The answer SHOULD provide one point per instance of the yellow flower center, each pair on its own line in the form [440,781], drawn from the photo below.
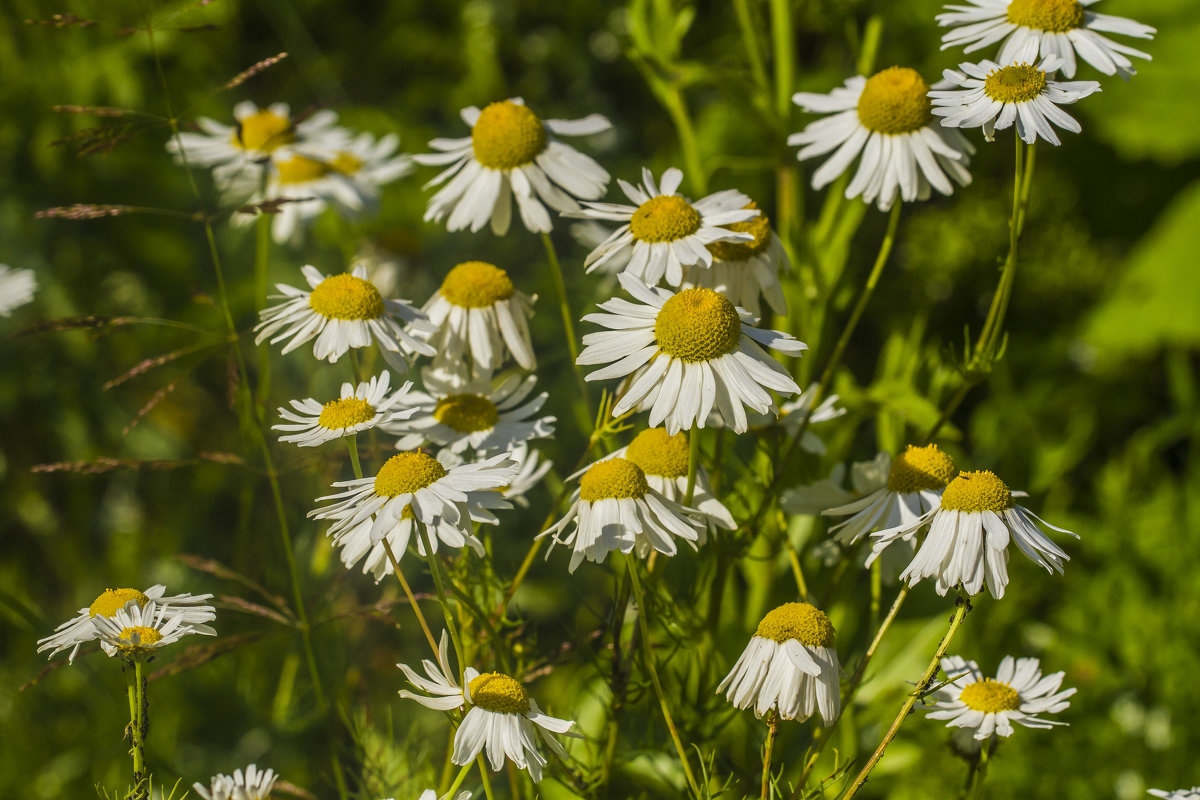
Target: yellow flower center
[113,600]
[664,219]
[264,131]
[658,453]
[614,479]
[346,297]
[477,284]
[507,135]
[920,469]
[895,100]
[759,226]
[977,491]
[345,413]
[697,325]
[493,691]
[1018,83]
[144,636]
[346,163]
[1058,16]
[466,413]
[299,169]
[990,696]
[407,472]
[800,621]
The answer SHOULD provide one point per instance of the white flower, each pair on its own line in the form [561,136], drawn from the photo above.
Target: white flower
[887,118]
[665,232]
[1032,28]
[254,784]
[615,508]
[16,288]
[341,311]
[430,794]
[793,412]
[356,410]
[742,271]
[512,153]
[500,719]
[703,355]
[533,468]
[1018,694]
[790,666]
[414,488]
[81,628]
[994,97]
[969,534]
[478,311]
[136,629]
[480,415]
[1177,794]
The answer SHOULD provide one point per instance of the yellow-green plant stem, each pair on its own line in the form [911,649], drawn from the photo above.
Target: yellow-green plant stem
[693,464]
[262,254]
[137,717]
[485,777]
[974,786]
[408,594]
[750,41]
[772,731]
[352,446]
[458,779]
[962,606]
[784,56]
[564,306]
[648,656]
[443,600]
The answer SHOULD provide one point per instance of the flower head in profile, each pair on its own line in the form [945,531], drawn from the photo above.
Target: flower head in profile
[135,631]
[478,311]
[1177,794]
[16,288]
[664,232]
[746,271]
[989,706]
[341,312]
[995,97]
[790,666]
[512,153]
[253,784]
[886,118]
[310,423]
[688,354]
[1029,29]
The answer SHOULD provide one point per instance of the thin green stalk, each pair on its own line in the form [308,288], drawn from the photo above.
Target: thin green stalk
[784,56]
[677,109]
[980,770]
[618,680]
[408,593]
[443,600]
[458,779]
[564,306]
[693,464]
[772,731]
[750,41]
[137,746]
[996,312]
[352,446]
[487,779]
[262,254]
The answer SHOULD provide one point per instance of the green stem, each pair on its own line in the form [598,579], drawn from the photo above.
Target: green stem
[458,779]
[352,446]
[785,58]
[618,681]
[408,593]
[262,253]
[443,600]
[995,318]
[136,750]
[564,306]
[487,779]
[676,106]
[693,464]
[750,41]
[772,730]
[981,768]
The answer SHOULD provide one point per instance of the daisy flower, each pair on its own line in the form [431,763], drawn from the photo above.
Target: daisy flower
[413,488]
[1029,28]
[511,152]
[16,288]
[1018,694]
[743,271]
[702,353]
[501,717]
[995,97]
[969,533]
[253,784]
[134,631]
[477,310]
[790,666]
[356,410]
[475,415]
[810,499]
[341,311]
[664,232]
[887,118]
[530,472]
[793,412]
[1178,794]
[615,508]
[430,794]
[81,628]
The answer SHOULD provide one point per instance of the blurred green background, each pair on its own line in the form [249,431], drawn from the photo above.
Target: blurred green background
[1093,410]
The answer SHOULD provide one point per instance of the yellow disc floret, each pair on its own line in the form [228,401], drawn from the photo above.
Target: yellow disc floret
[759,227]
[920,469]
[264,131]
[800,621]
[895,100]
[497,692]
[1058,16]
[113,600]
[477,284]
[614,479]
[990,696]
[300,169]
[139,636]
[407,472]
[977,491]
[697,325]
[345,413]
[658,453]
[346,297]
[1018,83]
[346,163]
[466,413]
[664,219]
[507,135]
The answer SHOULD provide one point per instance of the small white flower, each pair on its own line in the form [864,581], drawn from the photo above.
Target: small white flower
[744,271]
[478,311]
[994,97]
[532,470]
[430,794]
[341,311]
[1177,794]
[793,412]
[790,666]
[1018,694]
[253,784]
[512,153]
[357,409]
[16,288]
[1032,28]
[135,630]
